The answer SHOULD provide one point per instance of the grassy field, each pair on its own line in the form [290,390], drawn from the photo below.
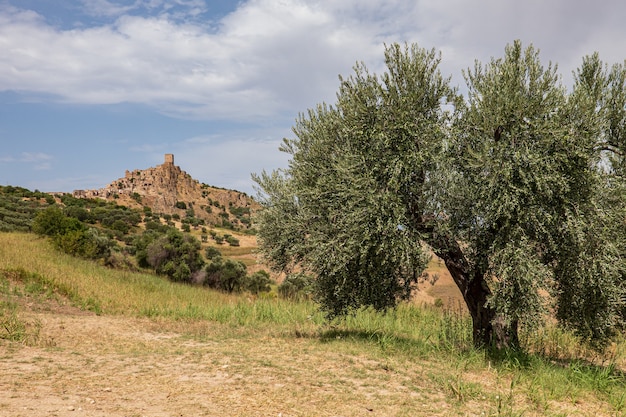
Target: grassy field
[76,338]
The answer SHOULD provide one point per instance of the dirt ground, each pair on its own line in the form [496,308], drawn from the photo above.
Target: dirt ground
[88,365]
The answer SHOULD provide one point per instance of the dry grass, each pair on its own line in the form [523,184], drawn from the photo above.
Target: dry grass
[161,349]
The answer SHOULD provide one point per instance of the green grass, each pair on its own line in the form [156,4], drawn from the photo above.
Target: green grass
[414,343]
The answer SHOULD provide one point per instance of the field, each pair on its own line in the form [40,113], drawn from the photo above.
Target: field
[77,339]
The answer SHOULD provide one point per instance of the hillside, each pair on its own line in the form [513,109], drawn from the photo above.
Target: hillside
[167,189]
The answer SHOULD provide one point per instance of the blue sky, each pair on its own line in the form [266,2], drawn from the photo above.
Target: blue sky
[90,88]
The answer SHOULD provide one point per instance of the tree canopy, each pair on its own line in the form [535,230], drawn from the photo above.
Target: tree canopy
[517,187]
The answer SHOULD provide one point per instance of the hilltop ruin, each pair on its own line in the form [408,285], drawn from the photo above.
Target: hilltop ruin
[167,189]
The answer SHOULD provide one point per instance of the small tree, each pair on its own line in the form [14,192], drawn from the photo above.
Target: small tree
[258,282]
[52,221]
[298,286]
[212,253]
[174,254]
[226,275]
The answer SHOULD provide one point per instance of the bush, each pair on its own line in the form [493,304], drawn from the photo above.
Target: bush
[86,243]
[52,222]
[226,275]
[212,253]
[120,226]
[259,282]
[79,213]
[174,254]
[296,287]
[232,241]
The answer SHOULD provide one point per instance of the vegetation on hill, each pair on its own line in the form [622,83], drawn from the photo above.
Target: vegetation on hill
[125,238]
[18,207]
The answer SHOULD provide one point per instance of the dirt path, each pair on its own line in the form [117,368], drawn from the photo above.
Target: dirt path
[88,365]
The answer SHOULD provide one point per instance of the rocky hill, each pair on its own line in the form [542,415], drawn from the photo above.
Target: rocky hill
[167,189]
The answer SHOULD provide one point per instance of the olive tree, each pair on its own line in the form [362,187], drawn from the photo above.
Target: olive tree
[505,187]
[523,193]
[345,209]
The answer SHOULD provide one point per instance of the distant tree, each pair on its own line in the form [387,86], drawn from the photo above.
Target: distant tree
[173,254]
[258,282]
[79,213]
[231,240]
[176,255]
[212,252]
[226,275]
[52,221]
[298,286]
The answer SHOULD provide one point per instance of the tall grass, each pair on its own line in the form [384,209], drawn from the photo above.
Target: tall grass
[91,286]
[103,290]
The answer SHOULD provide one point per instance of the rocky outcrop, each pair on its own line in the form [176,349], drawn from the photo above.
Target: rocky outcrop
[167,189]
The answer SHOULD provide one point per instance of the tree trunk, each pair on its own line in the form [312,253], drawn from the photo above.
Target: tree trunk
[488,329]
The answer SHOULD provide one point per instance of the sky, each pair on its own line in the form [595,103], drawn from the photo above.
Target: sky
[92,88]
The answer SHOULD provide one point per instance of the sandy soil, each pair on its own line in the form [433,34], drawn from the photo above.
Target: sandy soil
[88,365]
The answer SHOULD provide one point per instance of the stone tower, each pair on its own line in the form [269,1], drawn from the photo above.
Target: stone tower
[169,158]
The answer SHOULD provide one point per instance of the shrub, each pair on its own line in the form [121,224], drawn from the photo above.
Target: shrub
[174,254]
[212,253]
[258,282]
[226,275]
[52,222]
[231,240]
[86,243]
[120,226]
[79,213]
[296,287]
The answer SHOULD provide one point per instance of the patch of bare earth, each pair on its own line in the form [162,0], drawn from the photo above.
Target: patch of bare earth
[88,365]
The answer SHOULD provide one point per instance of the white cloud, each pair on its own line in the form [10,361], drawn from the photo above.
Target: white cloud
[35,157]
[259,65]
[266,57]
[36,160]
[106,8]
[273,56]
